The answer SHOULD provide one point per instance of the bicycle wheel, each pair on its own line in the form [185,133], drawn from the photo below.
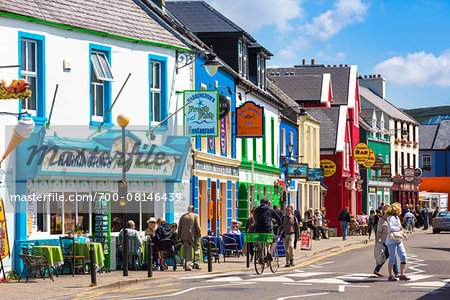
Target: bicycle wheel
[275,262]
[259,258]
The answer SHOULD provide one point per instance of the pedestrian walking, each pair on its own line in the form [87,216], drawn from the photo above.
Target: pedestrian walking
[289,231]
[250,228]
[418,215]
[435,213]
[370,222]
[344,218]
[409,221]
[309,218]
[381,236]
[425,217]
[394,241]
[318,222]
[189,232]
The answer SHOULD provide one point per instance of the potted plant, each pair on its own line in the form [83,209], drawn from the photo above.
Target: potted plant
[78,230]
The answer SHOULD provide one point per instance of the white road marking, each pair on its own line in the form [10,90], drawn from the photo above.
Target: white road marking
[272,279]
[356,276]
[302,296]
[341,289]
[325,263]
[186,291]
[416,277]
[307,274]
[296,283]
[325,280]
[437,284]
[447,280]
[228,278]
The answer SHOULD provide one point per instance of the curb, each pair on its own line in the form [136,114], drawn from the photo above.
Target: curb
[126,283]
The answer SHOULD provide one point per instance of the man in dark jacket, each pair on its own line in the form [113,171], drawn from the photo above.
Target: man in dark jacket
[263,217]
[425,217]
[344,218]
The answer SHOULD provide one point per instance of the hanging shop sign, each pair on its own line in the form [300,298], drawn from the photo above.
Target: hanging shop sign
[224,107]
[299,171]
[361,153]
[371,160]
[4,245]
[409,174]
[418,172]
[378,164]
[328,166]
[250,120]
[18,89]
[386,171]
[201,114]
[315,174]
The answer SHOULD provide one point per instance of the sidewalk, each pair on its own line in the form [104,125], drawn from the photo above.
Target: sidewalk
[67,285]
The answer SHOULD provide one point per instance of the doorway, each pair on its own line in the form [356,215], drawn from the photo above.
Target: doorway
[214,206]
[223,208]
[203,206]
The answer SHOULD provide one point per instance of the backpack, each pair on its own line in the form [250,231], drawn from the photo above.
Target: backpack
[341,216]
[164,233]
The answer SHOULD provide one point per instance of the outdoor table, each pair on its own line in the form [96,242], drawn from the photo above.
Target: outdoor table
[82,249]
[217,240]
[239,238]
[54,254]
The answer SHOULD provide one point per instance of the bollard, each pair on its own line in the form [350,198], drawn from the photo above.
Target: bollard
[92,266]
[125,252]
[209,256]
[248,254]
[150,257]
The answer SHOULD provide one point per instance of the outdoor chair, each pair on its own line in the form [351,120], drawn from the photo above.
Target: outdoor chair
[35,264]
[102,240]
[230,246]
[32,252]
[75,262]
[215,250]
[171,253]
[134,257]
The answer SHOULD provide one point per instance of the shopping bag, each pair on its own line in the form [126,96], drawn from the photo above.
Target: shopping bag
[378,253]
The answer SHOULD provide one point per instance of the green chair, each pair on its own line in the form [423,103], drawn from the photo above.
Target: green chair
[134,259]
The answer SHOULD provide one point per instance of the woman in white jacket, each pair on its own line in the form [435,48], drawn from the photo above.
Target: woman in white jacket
[396,245]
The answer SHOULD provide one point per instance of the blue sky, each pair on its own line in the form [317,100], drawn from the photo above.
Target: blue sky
[408,42]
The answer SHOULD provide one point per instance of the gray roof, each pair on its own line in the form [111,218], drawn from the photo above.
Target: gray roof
[384,105]
[364,124]
[427,134]
[329,116]
[300,88]
[340,78]
[201,17]
[367,115]
[280,95]
[123,18]
[435,136]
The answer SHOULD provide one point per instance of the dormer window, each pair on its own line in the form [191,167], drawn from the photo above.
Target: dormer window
[240,57]
[243,59]
[260,71]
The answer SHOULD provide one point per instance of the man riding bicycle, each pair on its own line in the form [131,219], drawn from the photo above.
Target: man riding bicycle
[264,215]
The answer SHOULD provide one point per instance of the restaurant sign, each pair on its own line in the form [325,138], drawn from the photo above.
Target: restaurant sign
[315,174]
[328,166]
[299,171]
[361,153]
[371,160]
[250,120]
[386,171]
[201,113]
[409,174]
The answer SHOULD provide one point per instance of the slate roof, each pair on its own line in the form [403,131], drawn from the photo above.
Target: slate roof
[300,88]
[281,95]
[427,134]
[118,17]
[329,116]
[340,78]
[384,105]
[367,115]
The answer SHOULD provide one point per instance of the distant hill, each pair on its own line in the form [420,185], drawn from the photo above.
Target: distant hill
[423,114]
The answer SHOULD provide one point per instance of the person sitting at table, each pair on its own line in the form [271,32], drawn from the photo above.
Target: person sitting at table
[151,227]
[116,224]
[234,229]
[175,243]
[362,221]
[131,231]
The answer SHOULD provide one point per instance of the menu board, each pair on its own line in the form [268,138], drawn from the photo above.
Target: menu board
[100,221]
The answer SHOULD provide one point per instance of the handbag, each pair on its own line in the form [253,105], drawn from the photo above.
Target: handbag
[396,235]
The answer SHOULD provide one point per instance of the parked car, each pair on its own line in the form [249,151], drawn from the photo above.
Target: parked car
[441,222]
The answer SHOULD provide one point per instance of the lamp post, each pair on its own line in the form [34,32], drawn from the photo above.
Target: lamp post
[123,121]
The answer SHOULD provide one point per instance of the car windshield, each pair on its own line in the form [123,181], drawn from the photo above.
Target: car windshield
[444,214]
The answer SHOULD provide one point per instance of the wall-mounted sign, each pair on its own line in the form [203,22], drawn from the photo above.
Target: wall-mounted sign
[386,171]
[361,153]
[223,136]
[378,164]
[371,160]
[418,172]
[215,168]
[315,174]
[409,174]
[224,107]
[299,171]
[250,120]
[328,166]
[201,115]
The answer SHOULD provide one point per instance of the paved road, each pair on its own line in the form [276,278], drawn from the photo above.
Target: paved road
[343,274]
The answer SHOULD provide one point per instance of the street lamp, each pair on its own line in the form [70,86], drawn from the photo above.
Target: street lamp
[123,121]
[185,58]
[405,134]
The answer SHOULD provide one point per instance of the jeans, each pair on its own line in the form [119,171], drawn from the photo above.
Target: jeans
[344,227]
[386,253]
[425,223]
[397,248]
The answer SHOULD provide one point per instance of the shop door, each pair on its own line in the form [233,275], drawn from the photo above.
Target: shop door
[214,205]
[223,208]
[203,206]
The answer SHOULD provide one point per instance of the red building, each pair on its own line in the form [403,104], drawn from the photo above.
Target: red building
[335,103]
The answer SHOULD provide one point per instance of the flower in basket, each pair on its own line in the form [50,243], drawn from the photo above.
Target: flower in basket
[415,144]
[396,140]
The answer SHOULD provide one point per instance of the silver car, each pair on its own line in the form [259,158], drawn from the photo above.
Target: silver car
[441,222]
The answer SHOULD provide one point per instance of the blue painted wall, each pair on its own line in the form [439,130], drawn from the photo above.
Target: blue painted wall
[288,128]
[440,163]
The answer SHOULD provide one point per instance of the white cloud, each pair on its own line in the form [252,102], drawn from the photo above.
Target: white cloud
[420,68]
[252,15]
[332,21]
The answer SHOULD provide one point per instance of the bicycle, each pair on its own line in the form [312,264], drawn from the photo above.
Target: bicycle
[263,243]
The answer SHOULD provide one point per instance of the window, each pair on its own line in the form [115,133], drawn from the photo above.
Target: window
[240,57]
[32,69]
[101,77]
[283,141]
[408,160]
[258,70]
[244,61]
[158,88]
[396,163]
[426,162]
[155,90]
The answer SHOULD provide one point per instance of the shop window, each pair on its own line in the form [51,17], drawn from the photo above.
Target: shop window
[69,213]
[32,69]
[56,217]
[42,213]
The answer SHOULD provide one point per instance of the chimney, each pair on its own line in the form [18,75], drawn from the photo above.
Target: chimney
[303,61]
[313,61]
[375,83]
[346,66]
[335,66]
[341,66]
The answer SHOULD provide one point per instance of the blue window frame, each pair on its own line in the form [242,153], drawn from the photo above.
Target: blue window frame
[157,88]
[32,68]
[100,77]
